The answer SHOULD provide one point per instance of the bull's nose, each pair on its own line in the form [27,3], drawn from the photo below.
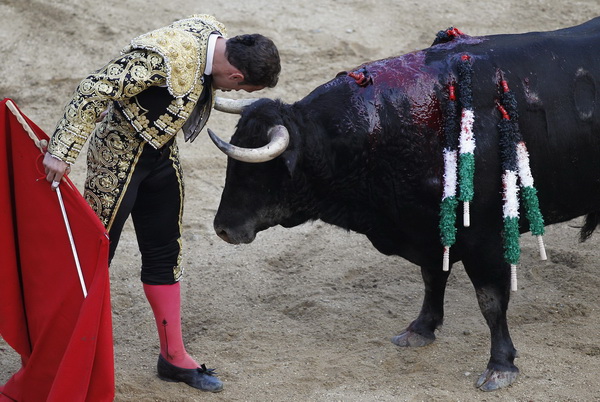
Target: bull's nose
[222,233]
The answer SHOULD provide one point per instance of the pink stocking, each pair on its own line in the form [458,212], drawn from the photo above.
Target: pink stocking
[165,301]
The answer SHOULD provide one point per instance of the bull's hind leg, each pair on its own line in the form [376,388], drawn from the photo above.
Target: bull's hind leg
[491,279]
[421,331]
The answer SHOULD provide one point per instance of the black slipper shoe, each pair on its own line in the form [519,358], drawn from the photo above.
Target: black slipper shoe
[202,378]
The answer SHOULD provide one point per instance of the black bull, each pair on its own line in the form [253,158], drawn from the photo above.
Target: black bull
[367,155]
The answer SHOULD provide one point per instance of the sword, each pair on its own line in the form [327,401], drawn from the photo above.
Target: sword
[36,140]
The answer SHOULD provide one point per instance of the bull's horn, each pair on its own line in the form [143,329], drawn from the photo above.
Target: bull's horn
[234,106]
[279,139]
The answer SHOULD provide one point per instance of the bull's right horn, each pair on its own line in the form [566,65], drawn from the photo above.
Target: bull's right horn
[279,138]
[234,106]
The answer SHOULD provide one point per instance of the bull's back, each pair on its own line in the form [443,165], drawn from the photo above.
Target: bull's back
[555,77]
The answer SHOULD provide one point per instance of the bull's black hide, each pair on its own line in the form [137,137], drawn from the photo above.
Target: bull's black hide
[365,154]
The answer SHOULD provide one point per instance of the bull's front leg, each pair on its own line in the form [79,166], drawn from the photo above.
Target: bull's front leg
[491,279]
[421,332]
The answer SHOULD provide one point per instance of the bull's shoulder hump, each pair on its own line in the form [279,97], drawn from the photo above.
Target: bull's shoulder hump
[579,35]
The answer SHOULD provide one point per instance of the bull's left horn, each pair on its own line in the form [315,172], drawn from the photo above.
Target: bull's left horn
[234,106]
[279,138]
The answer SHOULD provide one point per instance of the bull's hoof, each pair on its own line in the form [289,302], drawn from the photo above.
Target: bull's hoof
[411,339]
[492,380]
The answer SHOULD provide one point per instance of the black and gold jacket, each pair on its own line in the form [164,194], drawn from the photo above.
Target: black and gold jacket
[157,83]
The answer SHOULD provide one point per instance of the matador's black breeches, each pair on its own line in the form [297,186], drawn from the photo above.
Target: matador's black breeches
[126,176]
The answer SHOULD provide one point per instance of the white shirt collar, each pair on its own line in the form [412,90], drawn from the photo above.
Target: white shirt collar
[210,52]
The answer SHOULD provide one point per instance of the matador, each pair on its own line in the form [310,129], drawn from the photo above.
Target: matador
[130,111]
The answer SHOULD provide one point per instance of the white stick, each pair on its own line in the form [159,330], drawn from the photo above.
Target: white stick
[542,248]
[446,264]
[75,256]
[466,214]
[513,277]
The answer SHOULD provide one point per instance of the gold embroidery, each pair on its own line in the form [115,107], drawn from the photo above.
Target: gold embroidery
[178,270]
[176,57]
[159,132]
[118,80]
[112,153]
[177,273]
[183,46]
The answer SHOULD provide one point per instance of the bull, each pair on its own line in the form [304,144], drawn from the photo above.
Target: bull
[364,152]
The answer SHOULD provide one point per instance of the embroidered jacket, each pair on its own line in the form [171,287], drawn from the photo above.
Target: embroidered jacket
[157,83]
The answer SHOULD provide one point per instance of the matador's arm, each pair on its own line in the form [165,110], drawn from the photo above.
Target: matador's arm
[123,77]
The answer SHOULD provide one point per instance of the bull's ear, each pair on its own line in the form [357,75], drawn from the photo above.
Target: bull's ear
[290,156]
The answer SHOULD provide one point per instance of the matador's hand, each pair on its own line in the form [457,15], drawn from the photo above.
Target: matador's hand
[55,169]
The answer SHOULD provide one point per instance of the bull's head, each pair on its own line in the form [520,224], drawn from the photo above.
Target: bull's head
[259,179]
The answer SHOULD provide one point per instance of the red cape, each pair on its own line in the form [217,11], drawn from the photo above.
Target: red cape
[64,339]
